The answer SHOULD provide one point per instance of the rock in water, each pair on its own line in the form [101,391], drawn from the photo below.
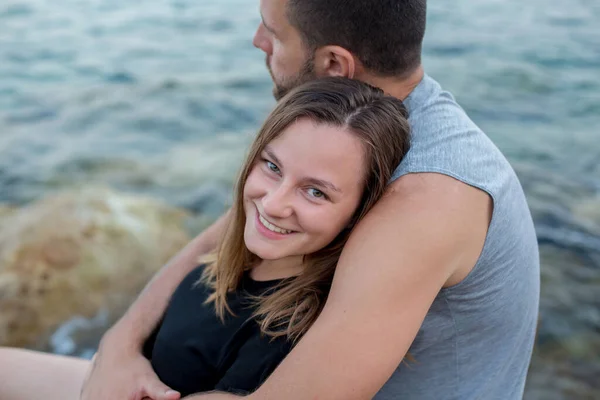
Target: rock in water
[77,253]
[5,211]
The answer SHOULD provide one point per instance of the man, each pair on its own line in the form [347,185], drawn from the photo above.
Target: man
[446,265]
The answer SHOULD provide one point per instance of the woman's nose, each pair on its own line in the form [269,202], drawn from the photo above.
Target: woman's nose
[277,203]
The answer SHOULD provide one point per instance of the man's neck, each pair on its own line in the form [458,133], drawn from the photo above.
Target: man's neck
[399,87]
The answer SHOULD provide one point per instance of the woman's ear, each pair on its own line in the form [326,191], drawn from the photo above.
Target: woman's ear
[334,61]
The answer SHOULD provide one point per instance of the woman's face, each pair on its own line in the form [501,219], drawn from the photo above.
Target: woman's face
[302,190]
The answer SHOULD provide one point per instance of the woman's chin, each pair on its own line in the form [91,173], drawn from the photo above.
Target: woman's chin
[263,252]
[269,255]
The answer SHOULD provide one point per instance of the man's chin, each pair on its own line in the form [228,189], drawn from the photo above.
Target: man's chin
[279,92]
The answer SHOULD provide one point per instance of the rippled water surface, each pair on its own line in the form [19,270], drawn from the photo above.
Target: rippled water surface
[161,96]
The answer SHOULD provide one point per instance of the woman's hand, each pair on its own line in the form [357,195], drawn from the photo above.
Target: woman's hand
[120,374]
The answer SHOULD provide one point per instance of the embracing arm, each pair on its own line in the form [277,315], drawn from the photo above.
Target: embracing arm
[119,369]
[143,315]
[426,233]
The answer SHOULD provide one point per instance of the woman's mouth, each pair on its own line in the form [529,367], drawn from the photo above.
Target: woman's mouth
[271,227]
[270,230]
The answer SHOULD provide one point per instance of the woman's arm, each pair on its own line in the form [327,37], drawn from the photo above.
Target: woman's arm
[120,370]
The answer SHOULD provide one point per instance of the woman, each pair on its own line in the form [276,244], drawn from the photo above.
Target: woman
[321,160]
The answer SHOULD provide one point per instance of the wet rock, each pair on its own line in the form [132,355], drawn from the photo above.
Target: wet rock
[4,212]
[77,253]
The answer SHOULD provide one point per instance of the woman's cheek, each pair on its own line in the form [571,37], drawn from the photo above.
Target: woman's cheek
[253,185]
[315,217]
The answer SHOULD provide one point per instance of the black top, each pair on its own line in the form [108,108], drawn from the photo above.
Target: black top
[192,351]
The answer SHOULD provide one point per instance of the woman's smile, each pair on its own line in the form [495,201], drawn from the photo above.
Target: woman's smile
[304,186]
[269,230]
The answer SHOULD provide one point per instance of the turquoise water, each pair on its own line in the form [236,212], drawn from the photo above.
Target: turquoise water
[161,97]
[134,94]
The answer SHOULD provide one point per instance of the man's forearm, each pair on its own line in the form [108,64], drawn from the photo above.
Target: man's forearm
[143,315]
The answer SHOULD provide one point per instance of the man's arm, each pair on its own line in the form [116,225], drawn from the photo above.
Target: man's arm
[119,369]
[426,233]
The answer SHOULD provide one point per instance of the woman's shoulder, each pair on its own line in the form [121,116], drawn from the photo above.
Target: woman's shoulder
[192,284]
[195,274]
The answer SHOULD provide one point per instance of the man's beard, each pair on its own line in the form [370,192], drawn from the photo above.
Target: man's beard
[307,73]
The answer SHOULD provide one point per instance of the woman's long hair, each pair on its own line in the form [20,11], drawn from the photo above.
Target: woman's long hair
[380,123]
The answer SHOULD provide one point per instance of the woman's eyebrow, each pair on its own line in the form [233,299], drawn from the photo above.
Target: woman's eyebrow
[322,183]
[272,155]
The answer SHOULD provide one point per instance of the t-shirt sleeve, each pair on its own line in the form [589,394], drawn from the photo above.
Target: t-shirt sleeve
[255,360]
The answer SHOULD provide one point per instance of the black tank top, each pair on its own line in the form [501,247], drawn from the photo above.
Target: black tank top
[192,351]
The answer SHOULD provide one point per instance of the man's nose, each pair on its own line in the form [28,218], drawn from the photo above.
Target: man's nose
[261,41]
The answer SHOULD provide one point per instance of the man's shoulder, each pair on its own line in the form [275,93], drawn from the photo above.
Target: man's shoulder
[446,141]
[435,110]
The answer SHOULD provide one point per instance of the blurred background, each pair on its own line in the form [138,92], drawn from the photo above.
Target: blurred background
[123,123]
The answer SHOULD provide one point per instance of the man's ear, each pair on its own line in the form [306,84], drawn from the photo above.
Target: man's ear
[334,61]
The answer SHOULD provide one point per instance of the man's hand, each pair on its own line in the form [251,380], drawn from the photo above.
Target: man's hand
[123,375]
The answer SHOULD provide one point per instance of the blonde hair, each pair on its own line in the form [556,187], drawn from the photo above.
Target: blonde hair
[380,123]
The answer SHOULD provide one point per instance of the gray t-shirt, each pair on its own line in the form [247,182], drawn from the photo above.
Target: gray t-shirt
[477,338]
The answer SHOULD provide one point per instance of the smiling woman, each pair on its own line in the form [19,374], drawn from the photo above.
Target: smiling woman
[321,160]
[301,193]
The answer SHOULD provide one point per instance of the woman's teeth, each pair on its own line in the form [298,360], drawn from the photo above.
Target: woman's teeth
[272,227]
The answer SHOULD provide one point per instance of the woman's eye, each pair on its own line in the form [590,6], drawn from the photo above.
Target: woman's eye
[316,193]
[273,167]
